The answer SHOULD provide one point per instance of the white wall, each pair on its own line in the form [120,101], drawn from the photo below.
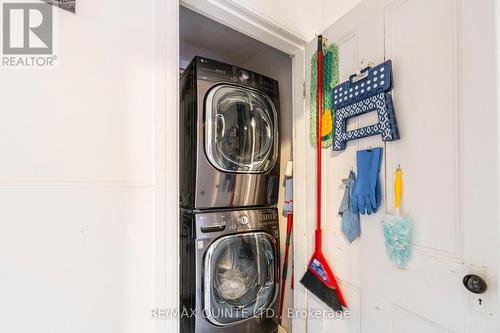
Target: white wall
[303,18]
[77,250]
[497,14]
[332,10]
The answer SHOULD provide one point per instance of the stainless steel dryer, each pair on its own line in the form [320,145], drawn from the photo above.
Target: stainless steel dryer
[229,142]
[230,271]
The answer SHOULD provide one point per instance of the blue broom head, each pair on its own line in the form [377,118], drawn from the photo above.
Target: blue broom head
[398,238]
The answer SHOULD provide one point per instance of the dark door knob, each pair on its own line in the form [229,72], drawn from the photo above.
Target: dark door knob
[475,284]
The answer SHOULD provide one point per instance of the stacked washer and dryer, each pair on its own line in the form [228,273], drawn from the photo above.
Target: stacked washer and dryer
[229,181]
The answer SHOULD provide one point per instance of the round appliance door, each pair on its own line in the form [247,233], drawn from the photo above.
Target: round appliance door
[241,131]
[240,277]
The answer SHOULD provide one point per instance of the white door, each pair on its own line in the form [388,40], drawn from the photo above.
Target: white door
[443,55]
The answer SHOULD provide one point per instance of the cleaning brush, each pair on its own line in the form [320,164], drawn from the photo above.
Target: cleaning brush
[319,278]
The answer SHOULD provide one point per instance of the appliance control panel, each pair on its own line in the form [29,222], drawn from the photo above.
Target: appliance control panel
[226,222]
[212,70]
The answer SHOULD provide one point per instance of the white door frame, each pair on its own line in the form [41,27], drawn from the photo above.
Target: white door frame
[166,160]
[167,131]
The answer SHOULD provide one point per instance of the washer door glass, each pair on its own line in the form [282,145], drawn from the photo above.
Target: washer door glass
[240,279]
[242,130]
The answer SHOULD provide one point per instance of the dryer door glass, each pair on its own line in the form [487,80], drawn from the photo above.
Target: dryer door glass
[240,280]
[241,130]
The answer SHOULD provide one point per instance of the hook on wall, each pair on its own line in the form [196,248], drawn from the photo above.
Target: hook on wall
[369,64]
[324,39]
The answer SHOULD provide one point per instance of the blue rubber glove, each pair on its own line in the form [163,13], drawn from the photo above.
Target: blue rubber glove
[366,196]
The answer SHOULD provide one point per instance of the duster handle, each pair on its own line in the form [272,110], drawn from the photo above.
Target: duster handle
[398,187]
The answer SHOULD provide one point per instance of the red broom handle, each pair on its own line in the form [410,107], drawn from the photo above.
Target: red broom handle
[318,143]
[285,261]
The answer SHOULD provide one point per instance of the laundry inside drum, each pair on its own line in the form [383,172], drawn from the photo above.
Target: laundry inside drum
[241,280]
[236,273]
[232,285]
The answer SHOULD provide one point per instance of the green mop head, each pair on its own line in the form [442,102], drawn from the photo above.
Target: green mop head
[330,79]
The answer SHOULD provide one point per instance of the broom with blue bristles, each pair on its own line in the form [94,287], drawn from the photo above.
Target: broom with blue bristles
[319,278]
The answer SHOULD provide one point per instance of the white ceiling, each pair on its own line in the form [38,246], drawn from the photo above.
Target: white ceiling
[304,18]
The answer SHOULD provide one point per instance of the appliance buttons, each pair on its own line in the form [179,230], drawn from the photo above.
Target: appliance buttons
[244,76]
[243,219]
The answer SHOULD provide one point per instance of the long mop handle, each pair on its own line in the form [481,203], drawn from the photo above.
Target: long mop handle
[318,143]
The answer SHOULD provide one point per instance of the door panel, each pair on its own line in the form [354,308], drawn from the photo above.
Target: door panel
[426,97]
[407,322]
[347,48]
[446,113]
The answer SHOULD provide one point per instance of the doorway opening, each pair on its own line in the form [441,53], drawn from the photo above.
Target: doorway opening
[209,40]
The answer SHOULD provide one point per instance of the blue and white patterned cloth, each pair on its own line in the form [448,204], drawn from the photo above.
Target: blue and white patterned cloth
[351,227]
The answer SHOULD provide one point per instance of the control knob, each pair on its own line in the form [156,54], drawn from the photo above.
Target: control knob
[244,76]
[243,219]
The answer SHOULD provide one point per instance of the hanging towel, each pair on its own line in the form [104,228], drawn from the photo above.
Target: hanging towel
[350,221]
